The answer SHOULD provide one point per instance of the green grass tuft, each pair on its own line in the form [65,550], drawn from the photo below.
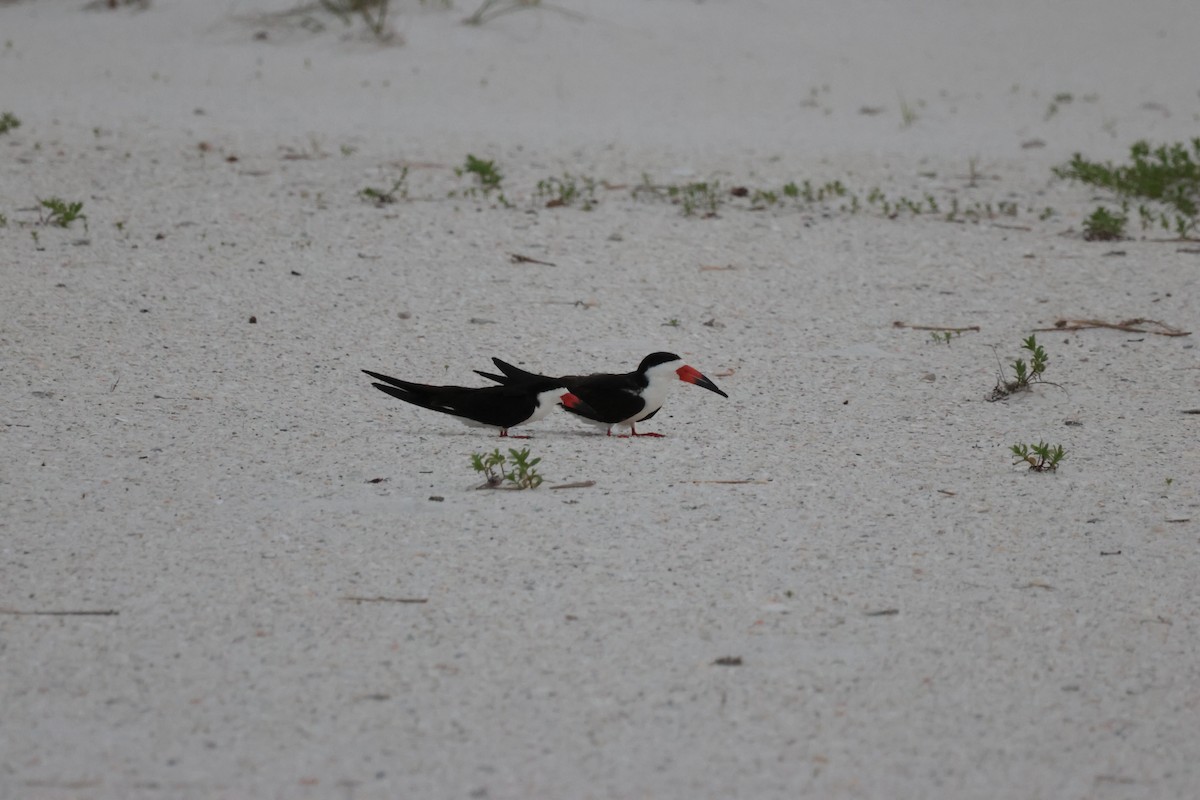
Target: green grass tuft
[1168,175]
[521,474]
[55,211]
[1040,457]
[1104,226]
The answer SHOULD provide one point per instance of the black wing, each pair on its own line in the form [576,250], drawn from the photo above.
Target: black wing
[499,406]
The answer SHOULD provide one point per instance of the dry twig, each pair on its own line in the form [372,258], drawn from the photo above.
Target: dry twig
[1128,325]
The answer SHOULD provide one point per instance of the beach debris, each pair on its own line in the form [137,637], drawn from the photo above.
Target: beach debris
[1135,325]
[951,328]
[517,258]
[380,599]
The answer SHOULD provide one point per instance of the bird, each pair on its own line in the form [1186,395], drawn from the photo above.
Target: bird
[617,399]
[515,403]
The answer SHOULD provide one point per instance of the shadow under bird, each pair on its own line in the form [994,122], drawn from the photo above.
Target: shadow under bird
[617,398]
[503,407]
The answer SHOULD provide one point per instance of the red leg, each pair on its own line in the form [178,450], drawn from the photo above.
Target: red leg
[633,431]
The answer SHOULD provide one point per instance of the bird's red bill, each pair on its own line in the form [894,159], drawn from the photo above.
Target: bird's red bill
[694,376]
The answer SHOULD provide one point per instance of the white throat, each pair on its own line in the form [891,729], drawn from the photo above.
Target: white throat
[660,378]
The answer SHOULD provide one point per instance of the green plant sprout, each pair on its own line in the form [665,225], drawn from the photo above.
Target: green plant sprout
[522,474]
[707,198]
[1040,457]
[762,198]
[489,464]
[568,190]
[701,195]
[487,178]
[9,122]
[1168,175]
[55,211]
[943,337]
[1025,375]
[690,197]
[383,197]
[1104,226]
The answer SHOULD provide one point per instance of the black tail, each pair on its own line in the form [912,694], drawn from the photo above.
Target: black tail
[512,373]
[419,394]
[408,385]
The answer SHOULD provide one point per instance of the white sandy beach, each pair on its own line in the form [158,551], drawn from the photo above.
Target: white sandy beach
[833,584]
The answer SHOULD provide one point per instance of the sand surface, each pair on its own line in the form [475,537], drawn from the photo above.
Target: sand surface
[833,584]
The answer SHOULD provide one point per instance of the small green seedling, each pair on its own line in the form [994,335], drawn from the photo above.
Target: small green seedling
[761,198]
[943,337]
[489,464]
[9,122]
[1025,375]
[383,197]
[55,211]
[1037,365]
[487,178]
[568,190]
[673,322]
[1104,226]
[700,196]
[522,474]
[485,172]
[1040,457]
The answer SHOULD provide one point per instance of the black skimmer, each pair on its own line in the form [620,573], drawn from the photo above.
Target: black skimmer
[503,407]
[618,399]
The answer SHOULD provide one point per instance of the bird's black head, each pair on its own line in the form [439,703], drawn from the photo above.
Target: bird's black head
[654,359]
